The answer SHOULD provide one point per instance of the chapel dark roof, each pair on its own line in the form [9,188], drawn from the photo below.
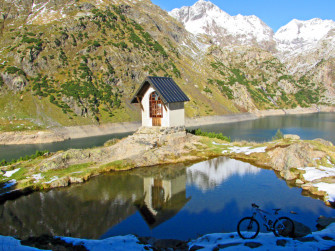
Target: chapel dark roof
[166,88]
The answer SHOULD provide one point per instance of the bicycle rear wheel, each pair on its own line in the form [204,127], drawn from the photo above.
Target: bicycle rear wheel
[284,226]
[248,228]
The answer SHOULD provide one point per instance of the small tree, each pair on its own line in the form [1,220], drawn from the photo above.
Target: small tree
[278,135]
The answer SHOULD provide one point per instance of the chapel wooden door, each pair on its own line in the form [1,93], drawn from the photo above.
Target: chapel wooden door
[156,109]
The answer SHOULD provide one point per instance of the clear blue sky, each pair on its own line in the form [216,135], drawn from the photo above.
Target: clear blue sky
[274,13]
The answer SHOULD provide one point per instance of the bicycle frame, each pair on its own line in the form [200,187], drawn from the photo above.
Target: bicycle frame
[248,227]
[266,217]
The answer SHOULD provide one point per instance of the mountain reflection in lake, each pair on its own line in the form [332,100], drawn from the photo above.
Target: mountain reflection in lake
[165,202]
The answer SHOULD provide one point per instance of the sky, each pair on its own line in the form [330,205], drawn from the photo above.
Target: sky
[274,13]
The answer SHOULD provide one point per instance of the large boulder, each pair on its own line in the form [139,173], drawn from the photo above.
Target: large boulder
[324,222]
[301,230]
[299,154]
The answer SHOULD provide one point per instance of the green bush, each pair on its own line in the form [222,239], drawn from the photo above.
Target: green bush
[209,134]
[278,135]
[27,157]
[14,70]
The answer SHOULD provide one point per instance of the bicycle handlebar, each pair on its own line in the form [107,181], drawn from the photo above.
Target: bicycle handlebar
[254,205]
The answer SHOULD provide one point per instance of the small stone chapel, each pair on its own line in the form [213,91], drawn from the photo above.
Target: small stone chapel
[162,102]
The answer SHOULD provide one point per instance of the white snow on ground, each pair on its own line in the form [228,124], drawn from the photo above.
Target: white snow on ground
[9,184]
[314,173]
[118,243]
[10,243]
[232,241]
[223,144]
[247,150]
[52,180]
[10,173]
[328,188]
[37,177]
[321,240]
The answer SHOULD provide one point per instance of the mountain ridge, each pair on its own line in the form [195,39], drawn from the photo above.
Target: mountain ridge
[82,64]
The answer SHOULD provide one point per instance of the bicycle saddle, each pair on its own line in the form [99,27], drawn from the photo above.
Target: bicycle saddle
[276,210]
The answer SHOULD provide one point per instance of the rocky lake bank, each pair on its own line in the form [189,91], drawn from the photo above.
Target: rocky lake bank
[309,164]
[57,134]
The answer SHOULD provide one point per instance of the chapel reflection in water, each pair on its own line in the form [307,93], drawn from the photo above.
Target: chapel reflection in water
[163,198]
[89,210]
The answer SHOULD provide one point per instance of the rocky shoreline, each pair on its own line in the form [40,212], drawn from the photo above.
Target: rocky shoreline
[319,240]
[309,164]
[292,159]
[58,134]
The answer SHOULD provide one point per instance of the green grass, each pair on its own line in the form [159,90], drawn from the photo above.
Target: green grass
[78,170]
[117,165]
[198,132]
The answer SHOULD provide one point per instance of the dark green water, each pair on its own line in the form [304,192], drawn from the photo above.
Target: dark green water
[177,201]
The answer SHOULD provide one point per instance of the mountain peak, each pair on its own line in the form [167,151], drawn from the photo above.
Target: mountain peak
[298,36]
[204,17]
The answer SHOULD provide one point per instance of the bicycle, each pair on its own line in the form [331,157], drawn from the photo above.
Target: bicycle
[248,227]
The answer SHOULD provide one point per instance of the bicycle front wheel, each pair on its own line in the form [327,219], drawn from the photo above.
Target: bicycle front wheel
[248,228]
[284,226]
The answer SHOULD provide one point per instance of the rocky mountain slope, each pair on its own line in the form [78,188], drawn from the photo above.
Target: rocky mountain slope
[206,18]
[305,48]
[74,62]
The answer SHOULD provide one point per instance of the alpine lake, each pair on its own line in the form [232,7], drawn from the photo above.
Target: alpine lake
[180,201]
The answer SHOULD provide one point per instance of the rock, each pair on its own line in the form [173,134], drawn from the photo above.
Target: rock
[195,248]
[291,136]
[222,246]
[301,230]
[62,182]
[323,222]
[324,142]
[281,242]
[51,243]
[327,238]
[306,239]
[298,154]
[307,186]
[299,182]
[288,175]
[163,244]
[76,180]
[253,244]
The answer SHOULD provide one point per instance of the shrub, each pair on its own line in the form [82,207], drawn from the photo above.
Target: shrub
[278,135]
[27,157]
[209,134]
[14,70]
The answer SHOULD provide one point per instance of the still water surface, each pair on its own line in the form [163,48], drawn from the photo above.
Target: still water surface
[309,126]
[177,201]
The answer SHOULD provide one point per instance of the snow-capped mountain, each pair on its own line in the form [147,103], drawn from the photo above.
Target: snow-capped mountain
[301,36]
[205,17]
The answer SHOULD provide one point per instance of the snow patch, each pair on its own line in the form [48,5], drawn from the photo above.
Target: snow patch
[37,177]
[118,243]
[247,150]
[328,188]
[9,184]
[205,17]
[314,173]
[267,241]
[10,173]
[10,243]
[52,180]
